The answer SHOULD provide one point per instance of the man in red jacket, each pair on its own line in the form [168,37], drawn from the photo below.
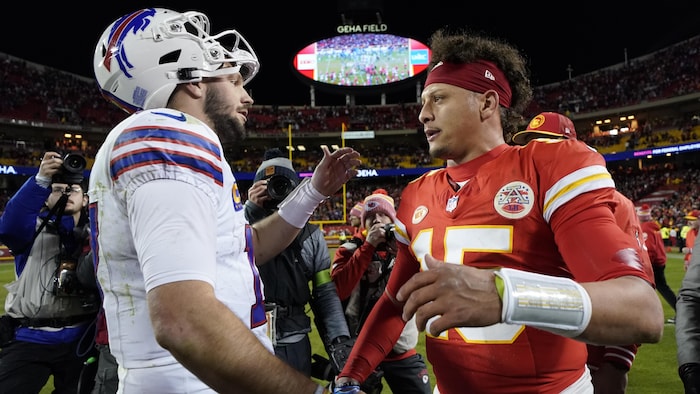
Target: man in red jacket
[657,254]
[360,270]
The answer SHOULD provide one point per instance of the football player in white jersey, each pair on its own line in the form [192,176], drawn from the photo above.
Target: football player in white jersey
[175,256]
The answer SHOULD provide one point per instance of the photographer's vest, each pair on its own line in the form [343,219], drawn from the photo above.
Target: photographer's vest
[31,297]
[286,281]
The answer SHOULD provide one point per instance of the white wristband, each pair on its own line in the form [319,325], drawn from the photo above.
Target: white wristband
[551,303]
[297,208]
[44,182]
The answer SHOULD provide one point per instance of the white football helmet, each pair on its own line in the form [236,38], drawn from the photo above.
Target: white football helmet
[142,56]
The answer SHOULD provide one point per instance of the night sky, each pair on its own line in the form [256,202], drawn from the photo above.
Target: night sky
[587,37]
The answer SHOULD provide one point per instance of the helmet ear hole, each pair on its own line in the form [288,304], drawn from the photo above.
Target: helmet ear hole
[171,57]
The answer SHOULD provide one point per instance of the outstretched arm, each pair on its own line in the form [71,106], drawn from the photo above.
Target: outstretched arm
[274,233]
[177,253]
[209,340]
[454,295]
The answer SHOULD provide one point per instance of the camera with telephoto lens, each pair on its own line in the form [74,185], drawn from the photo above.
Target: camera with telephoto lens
[389,232]
[278,188]
[71,171]
[390,237]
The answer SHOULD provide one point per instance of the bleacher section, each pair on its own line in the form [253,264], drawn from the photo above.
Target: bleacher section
[46,109]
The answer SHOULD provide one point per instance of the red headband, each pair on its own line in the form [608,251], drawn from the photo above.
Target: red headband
[479,77]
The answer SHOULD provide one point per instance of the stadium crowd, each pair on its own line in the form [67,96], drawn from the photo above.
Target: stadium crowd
[35,93]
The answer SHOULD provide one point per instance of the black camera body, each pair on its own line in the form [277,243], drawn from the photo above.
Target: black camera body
[389,232]
[390,237]
[280,175]
[278,188]
[71,171]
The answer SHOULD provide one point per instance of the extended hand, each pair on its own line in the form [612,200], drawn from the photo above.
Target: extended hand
[335,169]
[454,295]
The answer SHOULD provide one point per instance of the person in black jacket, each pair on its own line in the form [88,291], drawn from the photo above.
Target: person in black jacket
[687,323]
[286,278]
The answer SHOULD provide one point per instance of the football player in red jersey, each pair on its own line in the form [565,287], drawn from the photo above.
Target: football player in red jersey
[512,259]
[610,364]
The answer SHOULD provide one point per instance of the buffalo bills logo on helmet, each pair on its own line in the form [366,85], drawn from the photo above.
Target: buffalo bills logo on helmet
[129,24]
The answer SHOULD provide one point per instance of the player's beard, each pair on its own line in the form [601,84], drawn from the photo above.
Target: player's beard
[71,209]
[228,127]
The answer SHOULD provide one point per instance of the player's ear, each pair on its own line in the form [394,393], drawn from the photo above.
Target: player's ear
[194,90]
[490,99]
[488,103]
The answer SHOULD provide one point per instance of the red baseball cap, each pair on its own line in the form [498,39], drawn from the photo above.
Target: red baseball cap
[546,125]
[692,215]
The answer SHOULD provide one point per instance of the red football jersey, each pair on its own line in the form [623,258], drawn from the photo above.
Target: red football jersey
[628,221]
[546,207]
[654,243]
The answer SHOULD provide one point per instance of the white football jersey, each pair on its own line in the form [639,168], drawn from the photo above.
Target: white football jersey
[195,228]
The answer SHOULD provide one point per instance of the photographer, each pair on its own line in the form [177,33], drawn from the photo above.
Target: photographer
[286,277]
[360,270]
[47,327]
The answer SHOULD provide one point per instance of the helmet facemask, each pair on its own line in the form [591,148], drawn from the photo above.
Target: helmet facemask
[226,47]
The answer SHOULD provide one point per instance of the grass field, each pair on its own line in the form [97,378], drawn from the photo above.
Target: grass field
[654,371]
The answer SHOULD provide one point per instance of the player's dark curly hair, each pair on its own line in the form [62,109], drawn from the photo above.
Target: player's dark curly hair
[463,46]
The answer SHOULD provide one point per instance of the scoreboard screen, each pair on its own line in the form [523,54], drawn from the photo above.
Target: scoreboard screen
[362,60]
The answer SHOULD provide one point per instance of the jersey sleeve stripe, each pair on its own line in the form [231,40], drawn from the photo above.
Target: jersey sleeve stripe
[168,134]
[142,147]
[573,185]
[618,351]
